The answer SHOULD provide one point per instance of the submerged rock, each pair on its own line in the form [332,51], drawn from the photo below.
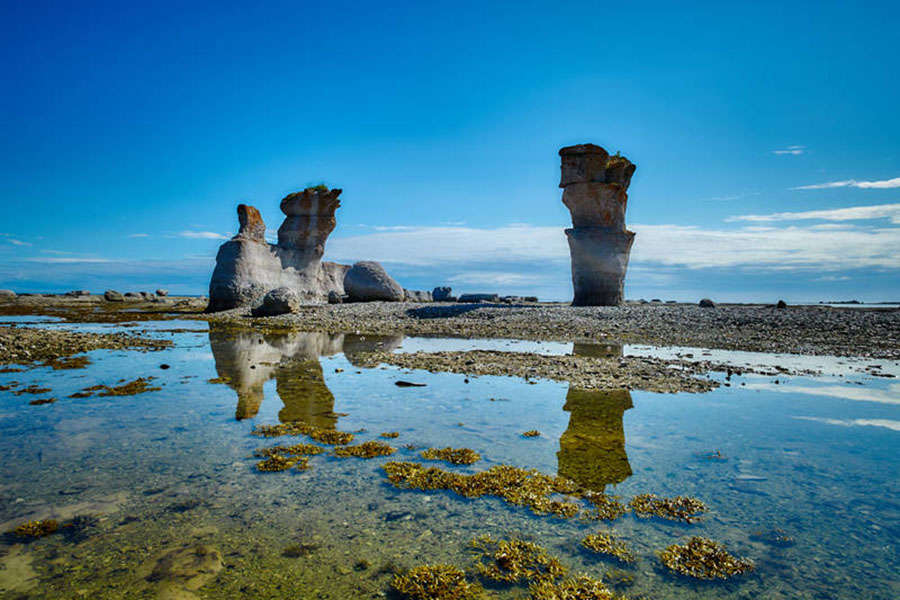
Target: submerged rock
[367,280]
[279,301]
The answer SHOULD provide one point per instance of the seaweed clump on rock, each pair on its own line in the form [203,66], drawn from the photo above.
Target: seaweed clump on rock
[605,507]
[703,558]
[319,434]
[576,588]
[435,582]
[679,508]
[293,450]
[455,456]
[37,529]
[604,542]
[517,486]
[280,462]
[515,560]
[369,449]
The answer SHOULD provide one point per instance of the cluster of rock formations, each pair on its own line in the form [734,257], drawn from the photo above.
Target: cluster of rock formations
[595,187]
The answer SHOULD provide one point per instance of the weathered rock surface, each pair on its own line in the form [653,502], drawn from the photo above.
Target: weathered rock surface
[479,298]
[335,298]
[443,294]
[161,292]
[418,296]
[279,301]
[78,293]
[367,281]
[595,192]
[7,294]
[247,267]
[113,296]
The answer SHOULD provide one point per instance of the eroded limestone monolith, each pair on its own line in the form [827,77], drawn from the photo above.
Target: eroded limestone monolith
[595,190]
[247,267]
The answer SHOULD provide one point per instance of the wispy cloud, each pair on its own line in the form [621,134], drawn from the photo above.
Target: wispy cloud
[886,423]
[764,248]
[203,235]
[792,150]
[16,242]
[495,278]
[853,213]
[61,260]
[866,185]
[139,235]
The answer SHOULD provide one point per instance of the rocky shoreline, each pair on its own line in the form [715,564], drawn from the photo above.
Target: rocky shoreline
[810,330]
[582,372]
[25,345]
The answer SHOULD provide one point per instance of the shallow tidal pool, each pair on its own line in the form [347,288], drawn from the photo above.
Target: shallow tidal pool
[160,497]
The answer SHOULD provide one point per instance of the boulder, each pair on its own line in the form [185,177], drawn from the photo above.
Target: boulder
[442,294]
[707,303]
[418,296]
[367,281]
[132,295]
[146,295]
[479,298]
[162,293]
[279,301]
[247,267]
[781,304]
[113,296]
[335,298]
[78,293]
[7,294]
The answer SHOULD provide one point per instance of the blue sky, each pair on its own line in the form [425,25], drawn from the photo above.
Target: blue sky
[766,136]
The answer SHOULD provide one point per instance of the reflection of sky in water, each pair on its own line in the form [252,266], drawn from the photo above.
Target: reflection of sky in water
[830,487]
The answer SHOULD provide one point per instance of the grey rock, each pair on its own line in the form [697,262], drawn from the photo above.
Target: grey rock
[418,296]
[279,301]
[7,294]
[132,295]
[247,267]
[781,304]
[78,293]
[335,298]
[707,303]
[442,294]
[479,298]
[367,281]
[146,295]
[162,292]
[113,296]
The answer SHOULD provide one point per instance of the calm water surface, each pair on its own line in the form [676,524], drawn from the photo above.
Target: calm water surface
[168,471]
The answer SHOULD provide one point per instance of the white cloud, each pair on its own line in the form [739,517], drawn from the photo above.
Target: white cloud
[866,185]
[853,213]
[773,248]
[203,235]
[15,242]
[793,150]
[139,235]
[502,278]
[886,423]
[889,395]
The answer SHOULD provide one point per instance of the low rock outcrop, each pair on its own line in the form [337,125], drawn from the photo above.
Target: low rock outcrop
[443,294]
[247,267]
[7,294]
[367,281]
[113,296]
[595,188]
[479,298]
[162,292]
[418,296]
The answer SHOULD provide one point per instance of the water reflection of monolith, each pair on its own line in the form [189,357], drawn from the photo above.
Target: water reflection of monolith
[595,188]
[592,449]
[247,359]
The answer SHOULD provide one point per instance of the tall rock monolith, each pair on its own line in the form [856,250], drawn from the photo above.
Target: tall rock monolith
[595,190]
